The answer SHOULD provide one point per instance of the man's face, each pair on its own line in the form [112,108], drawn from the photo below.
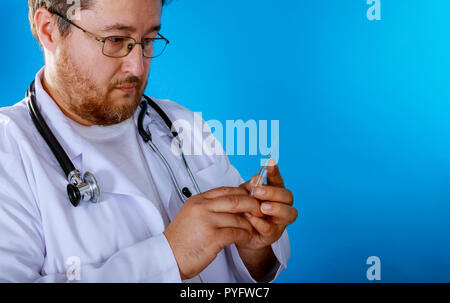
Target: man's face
[100,89]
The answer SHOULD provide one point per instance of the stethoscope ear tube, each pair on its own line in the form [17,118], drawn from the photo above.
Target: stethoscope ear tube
[162,114]
[147,137]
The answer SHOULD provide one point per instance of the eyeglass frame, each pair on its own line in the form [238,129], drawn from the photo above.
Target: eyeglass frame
[99,39]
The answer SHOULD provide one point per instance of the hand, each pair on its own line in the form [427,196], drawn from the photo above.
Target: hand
[206,224]
[278,214]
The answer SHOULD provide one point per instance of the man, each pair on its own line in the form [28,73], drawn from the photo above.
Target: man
[89,92]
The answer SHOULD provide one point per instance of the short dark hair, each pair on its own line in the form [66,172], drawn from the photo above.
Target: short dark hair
[58,6]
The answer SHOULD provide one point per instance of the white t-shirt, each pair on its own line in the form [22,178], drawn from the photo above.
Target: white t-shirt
[119,143]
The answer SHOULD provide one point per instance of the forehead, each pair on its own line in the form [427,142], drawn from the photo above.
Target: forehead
[138,14]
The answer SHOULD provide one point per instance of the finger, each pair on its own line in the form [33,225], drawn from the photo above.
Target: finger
[228,236]
[224,191]
[223,220]
[273,175]
[235,204]
[274,194]
[263,227]
[249,184]
[281,214]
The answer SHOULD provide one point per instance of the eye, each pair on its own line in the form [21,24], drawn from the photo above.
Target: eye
[116,40]
[148,41]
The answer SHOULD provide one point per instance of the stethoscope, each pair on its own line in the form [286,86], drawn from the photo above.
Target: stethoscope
[85,188]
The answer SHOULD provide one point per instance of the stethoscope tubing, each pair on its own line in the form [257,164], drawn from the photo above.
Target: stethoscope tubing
[39,121]
[70,170]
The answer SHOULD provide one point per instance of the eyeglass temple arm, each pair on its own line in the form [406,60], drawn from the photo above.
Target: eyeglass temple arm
[84,31]
[164,38]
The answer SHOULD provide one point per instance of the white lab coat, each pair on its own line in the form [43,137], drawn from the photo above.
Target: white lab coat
[118,240]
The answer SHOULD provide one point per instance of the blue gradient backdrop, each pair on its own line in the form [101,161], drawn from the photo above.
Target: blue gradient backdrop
[364,113]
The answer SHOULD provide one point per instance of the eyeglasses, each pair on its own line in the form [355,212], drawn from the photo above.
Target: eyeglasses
[120,46]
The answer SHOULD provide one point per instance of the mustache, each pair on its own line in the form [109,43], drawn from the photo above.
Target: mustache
[129,80]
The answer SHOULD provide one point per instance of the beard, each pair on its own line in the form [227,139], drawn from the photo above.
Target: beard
[91,102]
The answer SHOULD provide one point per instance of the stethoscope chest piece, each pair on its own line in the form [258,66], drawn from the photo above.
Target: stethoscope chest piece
[82,189]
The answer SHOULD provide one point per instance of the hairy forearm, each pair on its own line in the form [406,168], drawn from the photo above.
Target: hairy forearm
[258,262]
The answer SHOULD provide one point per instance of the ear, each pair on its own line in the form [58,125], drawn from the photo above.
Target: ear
[47,29]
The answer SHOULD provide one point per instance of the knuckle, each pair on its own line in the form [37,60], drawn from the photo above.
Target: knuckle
[291,216]
[234,202]
[238,220]
[219,191]
[242,191]
[223,190]
[291,196]
[195,205]
[197,208]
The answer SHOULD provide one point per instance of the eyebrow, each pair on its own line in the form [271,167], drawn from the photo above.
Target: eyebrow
[129,29]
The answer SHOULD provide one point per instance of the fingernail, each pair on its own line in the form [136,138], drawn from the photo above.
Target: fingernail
[266,206]
[247,215]
[260,191]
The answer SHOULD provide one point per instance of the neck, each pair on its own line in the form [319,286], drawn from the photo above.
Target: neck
[57,95]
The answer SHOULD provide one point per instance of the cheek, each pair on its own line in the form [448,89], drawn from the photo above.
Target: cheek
[90,61]
[100,71]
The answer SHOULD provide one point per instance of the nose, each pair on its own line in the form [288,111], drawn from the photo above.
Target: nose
[134,62]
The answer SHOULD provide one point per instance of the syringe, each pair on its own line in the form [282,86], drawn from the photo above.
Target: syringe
[262,174]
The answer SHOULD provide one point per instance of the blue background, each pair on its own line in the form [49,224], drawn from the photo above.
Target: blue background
[364,115]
